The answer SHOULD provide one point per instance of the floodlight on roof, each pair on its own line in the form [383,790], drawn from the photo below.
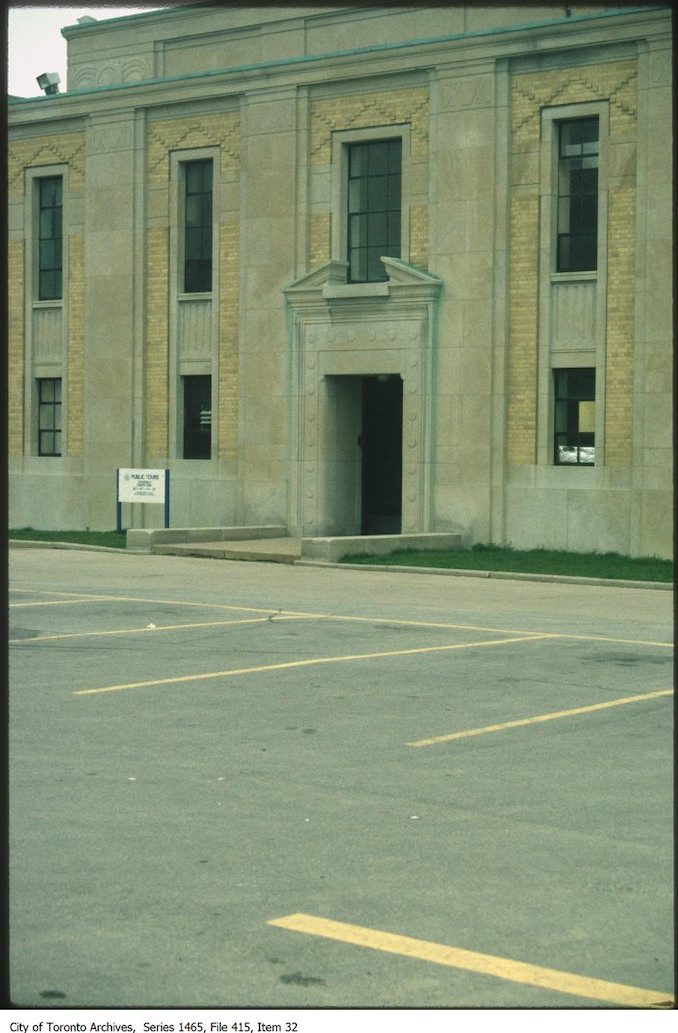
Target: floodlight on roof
[49,82]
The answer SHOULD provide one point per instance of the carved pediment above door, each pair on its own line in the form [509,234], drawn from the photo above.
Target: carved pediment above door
[328,282]
[310,286]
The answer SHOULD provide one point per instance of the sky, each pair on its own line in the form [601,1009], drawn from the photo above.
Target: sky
[35,43]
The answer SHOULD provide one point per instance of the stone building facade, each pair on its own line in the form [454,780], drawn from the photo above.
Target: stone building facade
[350,270]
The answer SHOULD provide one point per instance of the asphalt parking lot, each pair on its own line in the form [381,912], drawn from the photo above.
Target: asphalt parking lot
[255,785]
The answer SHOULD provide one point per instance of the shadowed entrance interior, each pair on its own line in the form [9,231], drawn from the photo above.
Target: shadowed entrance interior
[381,446]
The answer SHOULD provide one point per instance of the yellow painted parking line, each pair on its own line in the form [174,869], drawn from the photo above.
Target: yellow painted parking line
[541,717]
[78,597]
[275,617]
[288,614]
[48,591]
[53,602]
[617,641]
[450,626]
[472,961]
[147,629]
[314,661]
[447,626]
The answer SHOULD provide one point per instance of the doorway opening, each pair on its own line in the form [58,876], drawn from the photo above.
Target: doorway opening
[381,443]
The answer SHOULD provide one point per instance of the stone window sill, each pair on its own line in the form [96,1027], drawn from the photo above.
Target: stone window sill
[580,277]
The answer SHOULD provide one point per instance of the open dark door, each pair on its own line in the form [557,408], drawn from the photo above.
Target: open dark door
[382,455]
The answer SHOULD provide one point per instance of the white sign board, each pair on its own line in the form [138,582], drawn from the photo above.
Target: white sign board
[141,485]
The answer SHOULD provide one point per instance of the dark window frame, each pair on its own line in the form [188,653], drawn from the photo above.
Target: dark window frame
[373,207]
[50,391]
[573,446]
[577,194]
[50,238]
[197,418]
[198,226]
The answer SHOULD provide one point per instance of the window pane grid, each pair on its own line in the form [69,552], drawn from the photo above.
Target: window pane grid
[50,230]
[197,417]
[49,416]
[374,208]
[574,417]
[198,226]
[577,233]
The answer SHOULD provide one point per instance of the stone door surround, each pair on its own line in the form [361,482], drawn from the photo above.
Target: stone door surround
[337,329]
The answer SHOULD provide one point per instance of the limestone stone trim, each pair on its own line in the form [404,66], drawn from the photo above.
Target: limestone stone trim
[109,135]
[194,331]
[573,315]
[462,92]
[47,334]
[15,348]
[113,70]
[339,333]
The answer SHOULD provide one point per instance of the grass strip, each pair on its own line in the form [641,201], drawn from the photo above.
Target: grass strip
[109,539]
[608,565]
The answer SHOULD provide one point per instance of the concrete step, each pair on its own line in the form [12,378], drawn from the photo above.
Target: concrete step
[231,544]
[269,550]
[331,550]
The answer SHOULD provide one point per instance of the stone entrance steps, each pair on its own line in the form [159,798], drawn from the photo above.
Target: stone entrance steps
[272,545]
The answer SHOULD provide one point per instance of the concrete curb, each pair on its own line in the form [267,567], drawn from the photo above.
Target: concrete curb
[218,552]
[147,539]
[504,575]
[24,543]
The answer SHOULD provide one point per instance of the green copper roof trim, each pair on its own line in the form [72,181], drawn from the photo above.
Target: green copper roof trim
[352,52]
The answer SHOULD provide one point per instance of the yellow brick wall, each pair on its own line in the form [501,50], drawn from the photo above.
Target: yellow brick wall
[620,323]
[228,338]
[222,130]
[58,149]
[15,348]
[521,443]
[397,107]
[615,82]
[75,380]
[419,235]
[319,248]
[157,344]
